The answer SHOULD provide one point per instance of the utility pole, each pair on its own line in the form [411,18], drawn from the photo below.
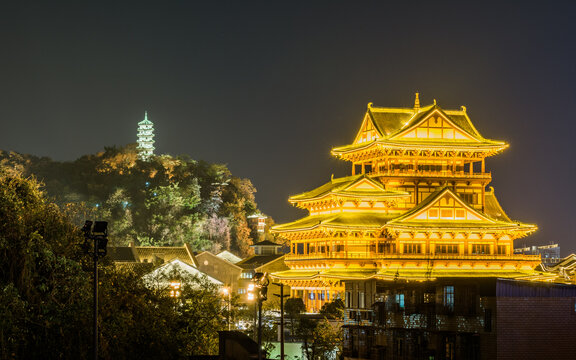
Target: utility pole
[281,296]
[98,234]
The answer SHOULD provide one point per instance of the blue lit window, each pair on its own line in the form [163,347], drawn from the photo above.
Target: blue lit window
[449,297]
[400,300]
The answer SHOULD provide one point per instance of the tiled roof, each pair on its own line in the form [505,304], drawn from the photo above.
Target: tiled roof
[227,255]
[409,274]
[488,223]
[357,219]
[256,261]
[492,207]
[164,253]
[391,121]
[136,267]
[266,243]
[339,186]
[121,254]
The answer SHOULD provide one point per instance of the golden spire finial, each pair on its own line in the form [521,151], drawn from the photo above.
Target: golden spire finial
[463,108]
[417,101]
[434,101]
[369,105]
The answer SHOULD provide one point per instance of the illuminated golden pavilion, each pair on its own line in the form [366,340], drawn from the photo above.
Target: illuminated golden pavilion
[416,207]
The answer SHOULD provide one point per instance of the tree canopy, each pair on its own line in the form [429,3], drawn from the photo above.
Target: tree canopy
[46,298]
[168,200]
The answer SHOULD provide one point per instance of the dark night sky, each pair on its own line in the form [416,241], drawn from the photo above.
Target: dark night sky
[269,88]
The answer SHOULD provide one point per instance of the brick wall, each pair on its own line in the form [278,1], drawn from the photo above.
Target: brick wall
[536,328]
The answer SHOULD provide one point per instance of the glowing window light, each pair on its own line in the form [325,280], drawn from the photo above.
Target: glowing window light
[175,288]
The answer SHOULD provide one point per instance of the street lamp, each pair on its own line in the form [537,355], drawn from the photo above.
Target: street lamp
[98,233]
[260,282]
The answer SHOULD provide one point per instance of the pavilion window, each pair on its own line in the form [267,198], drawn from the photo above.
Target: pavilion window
[501,249]
[300,249]
[361,300]
[446,249]
[412,248]
[480,249]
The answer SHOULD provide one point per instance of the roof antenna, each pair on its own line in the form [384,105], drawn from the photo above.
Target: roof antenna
[145,114]
[417,102]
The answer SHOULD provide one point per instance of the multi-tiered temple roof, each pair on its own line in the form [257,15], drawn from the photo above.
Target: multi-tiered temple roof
[416,207]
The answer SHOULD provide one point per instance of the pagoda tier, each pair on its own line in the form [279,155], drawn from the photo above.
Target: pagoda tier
[419,142]
[410,210]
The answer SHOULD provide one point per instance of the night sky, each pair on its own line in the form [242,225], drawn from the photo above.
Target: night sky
[269,88]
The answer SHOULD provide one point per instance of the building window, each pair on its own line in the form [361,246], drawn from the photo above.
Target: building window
[361,300]
[446,249]
[412,248]
[348,299]
[400,301]
[241,291]
[449,297]
[300,249]
[480,249]
[247,275]
[501,249]
[175,287]
[311,296]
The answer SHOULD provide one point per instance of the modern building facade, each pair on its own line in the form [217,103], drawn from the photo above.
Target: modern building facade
[549,254]
[459,318]
[416,208]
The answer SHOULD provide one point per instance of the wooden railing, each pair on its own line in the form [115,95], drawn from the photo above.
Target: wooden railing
[422,173]
[381,256]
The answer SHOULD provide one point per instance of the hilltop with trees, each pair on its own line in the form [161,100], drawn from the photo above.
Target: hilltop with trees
[167,200]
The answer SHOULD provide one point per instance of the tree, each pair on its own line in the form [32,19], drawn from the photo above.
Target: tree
[46,297]
[44,292]
[293,307]
[322,340]
[334,309]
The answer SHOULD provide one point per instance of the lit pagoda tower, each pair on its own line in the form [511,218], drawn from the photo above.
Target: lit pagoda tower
[145,138]
[416,207]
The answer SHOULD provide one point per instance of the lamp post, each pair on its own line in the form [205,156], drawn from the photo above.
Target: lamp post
[228,291]
[99,235]
[281,296]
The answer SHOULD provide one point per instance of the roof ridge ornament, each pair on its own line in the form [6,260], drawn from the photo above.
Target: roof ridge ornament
[417,101]
[434,102]
[463,108]
[370,105]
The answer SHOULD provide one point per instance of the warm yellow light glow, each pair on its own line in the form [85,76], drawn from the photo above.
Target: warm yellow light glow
[250,296]
[415,207]
[250,287]
[175,288]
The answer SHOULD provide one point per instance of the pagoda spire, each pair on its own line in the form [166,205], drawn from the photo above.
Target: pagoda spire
[145,138]
[417,101]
